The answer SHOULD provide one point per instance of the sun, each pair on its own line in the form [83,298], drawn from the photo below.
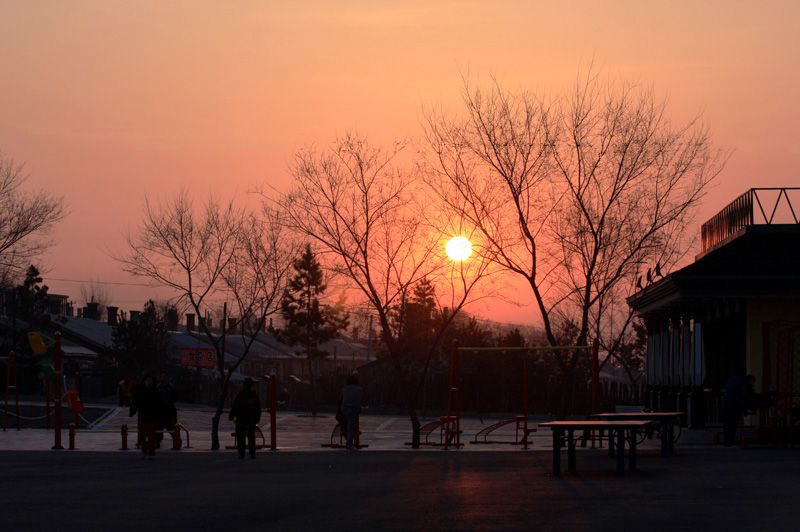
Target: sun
[458,248]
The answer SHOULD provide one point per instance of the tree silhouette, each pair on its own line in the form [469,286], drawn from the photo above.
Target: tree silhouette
[306,321]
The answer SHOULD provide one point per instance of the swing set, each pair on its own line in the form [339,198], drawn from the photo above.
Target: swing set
[451,436]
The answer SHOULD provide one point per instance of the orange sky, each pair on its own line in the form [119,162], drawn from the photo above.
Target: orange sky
[108,101]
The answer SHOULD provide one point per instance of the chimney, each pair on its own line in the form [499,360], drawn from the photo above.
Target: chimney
[355,333]
[231,323]
[92,311]
[172,319]
[134,316]
[189,322]
[112,315]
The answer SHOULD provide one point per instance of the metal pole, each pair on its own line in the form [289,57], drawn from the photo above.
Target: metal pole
[57,390]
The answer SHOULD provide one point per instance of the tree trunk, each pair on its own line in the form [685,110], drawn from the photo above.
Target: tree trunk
[215,429]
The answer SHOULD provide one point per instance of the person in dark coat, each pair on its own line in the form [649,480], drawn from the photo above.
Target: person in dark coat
[246,410]
[148,404]
[169,395]
[739,397]
[351,406]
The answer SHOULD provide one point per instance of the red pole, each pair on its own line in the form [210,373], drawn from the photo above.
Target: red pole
[57,391]
[176,436]
[124,433]
[596,377]
[72,435]
[47,400]
[525,398]
[77,397]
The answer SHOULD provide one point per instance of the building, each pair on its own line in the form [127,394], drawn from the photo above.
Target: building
[737,307]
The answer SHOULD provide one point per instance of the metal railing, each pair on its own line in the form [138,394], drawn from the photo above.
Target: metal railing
[751,208]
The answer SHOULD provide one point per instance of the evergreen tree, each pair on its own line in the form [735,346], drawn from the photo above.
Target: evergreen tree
[141,345]
[306,321]
[30,298]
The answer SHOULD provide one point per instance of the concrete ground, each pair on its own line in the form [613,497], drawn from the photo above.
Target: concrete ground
[477,488]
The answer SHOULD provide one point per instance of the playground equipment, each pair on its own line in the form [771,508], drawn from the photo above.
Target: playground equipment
[260,434]
[339,439]
[452,432]
[439,428]
[39,344]
[177,442]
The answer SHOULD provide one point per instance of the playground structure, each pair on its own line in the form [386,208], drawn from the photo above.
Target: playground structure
[438,428]
[177,442]
[338,439]
[450,431]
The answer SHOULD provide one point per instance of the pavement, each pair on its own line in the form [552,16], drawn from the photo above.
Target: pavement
[98,429]
[385,486]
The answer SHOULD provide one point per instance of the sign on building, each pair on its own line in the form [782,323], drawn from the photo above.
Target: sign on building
[197,357]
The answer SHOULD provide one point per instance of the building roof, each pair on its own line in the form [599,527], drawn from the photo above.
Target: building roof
[756,261]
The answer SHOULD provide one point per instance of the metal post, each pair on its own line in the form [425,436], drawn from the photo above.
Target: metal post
[273,403]
[57,390]
[525,399]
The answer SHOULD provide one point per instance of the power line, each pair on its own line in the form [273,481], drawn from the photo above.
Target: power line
[99,282]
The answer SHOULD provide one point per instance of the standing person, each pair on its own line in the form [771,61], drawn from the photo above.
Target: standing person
[125,391]
[246,410]
[351,406]
[148,404]
[739,397]
[169,396]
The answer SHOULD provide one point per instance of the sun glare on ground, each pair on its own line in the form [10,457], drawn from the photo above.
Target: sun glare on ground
[458,248]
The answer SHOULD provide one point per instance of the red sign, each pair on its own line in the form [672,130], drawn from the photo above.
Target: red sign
[197,357]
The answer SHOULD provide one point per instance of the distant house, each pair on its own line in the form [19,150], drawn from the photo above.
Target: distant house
[737,307]
[83,338]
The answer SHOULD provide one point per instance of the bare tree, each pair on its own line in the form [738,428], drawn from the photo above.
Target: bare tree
[577,193]
[219,252]
[360,208]
[96,292]
[26,221]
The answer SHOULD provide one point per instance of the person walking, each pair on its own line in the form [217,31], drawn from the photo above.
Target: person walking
[246,411]
[351,406]
[148,404]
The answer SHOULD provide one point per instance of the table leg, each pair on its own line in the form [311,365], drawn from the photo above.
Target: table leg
[570,450]
[666,437]
[671,442]
[556,451]
[620,452]
[611,446]
[632,451]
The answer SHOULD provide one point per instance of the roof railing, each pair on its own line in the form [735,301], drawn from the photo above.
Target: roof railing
[757,206]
